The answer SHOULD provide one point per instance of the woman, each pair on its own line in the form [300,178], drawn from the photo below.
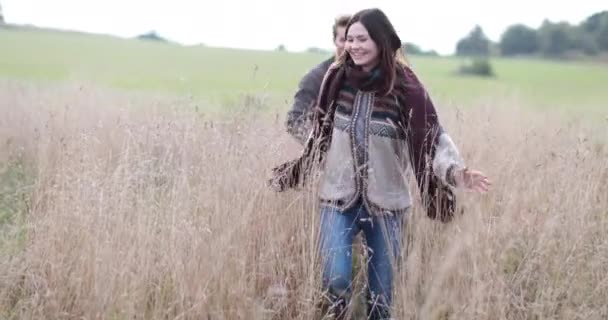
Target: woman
[374,124]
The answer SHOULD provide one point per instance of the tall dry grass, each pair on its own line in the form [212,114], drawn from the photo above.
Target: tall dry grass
[143,209]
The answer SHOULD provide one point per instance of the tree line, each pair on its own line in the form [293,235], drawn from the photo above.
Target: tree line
[551,39]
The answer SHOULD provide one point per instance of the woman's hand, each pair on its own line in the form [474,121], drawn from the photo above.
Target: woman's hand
[472,180]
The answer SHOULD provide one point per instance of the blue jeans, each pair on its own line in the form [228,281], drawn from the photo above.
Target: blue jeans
[383,235]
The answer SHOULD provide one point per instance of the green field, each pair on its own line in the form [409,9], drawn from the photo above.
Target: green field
[219,75]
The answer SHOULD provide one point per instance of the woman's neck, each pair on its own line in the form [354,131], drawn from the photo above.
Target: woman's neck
[369,67]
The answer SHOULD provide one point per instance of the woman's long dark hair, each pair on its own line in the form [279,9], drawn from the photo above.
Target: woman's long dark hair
[384,35]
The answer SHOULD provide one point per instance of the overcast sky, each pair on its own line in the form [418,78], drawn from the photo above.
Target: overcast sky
[264,24]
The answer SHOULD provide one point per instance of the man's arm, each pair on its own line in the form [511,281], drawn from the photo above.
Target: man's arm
[298,122]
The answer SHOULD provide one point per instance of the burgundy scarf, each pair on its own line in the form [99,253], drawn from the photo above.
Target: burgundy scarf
[419,120]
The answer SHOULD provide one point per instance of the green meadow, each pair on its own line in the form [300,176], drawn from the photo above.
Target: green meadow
[219,75]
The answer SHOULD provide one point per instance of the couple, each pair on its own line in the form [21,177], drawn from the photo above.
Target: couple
[372,125]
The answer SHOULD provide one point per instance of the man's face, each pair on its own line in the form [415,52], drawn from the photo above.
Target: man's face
[340,40]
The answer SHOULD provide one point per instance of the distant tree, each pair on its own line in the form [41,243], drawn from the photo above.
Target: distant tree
[555,39]
[281,48]
[411,48]
[518,39]
[594,22]
[596,27]
[152,36]
[1,16]
[602,35]
[474,44]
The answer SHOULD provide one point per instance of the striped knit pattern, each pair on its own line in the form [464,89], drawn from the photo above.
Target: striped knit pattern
[386,109]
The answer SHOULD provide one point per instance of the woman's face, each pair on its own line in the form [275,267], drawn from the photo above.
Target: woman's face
[361,48]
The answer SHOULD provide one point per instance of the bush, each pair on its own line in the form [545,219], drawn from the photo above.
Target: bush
[152,36]
[477,67]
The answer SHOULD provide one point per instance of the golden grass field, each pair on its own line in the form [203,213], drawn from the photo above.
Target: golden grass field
[127,206]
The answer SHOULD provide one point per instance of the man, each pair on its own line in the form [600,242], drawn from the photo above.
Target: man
[299,117]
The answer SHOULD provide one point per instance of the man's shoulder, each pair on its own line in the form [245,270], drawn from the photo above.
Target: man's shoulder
[328,62]
[324,65]
[315,75]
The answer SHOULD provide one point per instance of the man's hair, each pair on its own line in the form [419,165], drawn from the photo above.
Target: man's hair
[340,21]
